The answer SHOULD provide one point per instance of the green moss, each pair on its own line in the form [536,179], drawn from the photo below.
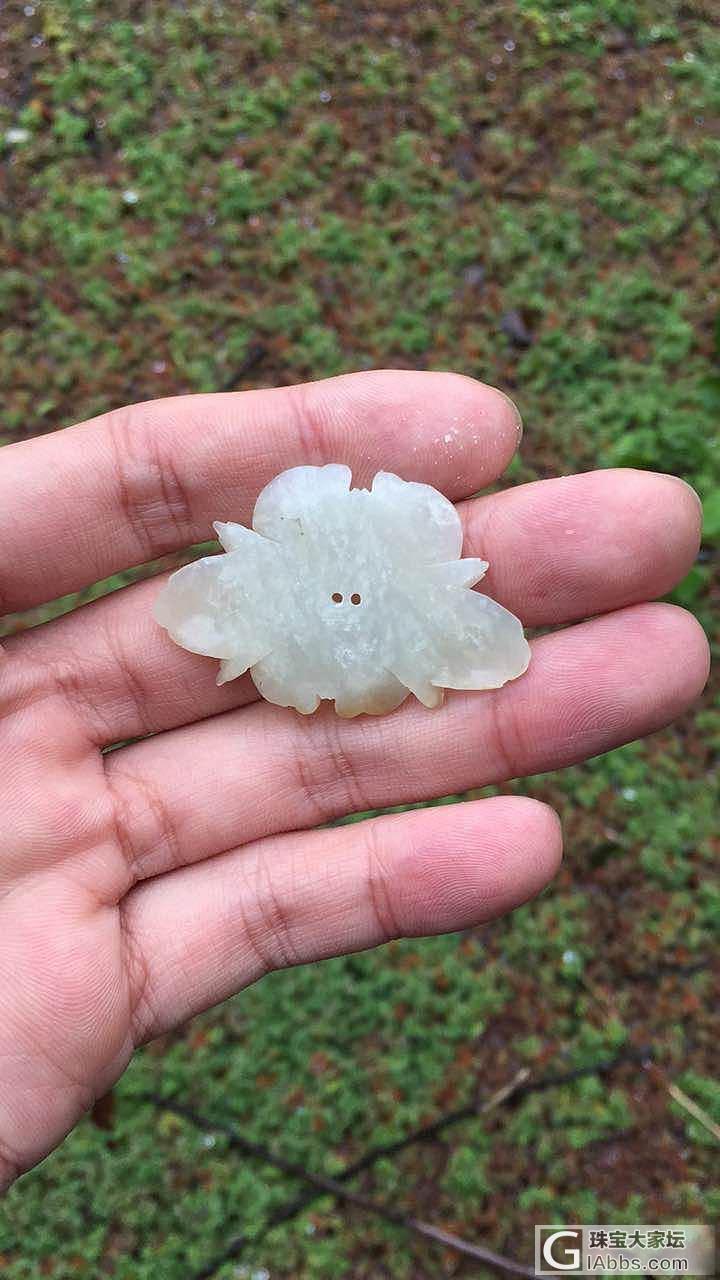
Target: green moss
[182,189]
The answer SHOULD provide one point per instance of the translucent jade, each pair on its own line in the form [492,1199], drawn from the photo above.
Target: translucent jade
[354,595]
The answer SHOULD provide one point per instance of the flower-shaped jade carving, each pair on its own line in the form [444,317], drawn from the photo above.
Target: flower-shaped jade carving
[355,595]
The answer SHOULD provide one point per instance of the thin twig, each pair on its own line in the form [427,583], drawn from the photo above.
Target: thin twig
[381,1152]
[477,1251]
[684,1100]
[697,1112]
[335,1188]
[257,352]
[320,1185]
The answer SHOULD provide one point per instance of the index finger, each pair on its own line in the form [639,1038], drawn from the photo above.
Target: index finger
[137,483]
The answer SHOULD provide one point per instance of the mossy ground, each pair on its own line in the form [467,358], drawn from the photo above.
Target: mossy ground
[214,195]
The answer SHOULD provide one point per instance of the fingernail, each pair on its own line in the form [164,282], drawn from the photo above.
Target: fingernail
[688,487]
[516,414]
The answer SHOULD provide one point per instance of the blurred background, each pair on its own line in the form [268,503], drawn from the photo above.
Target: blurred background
[205,196]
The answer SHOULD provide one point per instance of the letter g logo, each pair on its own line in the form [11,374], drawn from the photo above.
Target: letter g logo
[561,1257]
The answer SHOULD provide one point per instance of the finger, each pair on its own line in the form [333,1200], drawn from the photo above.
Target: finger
[191,793]
[198,935]
[559,550]
[136,483]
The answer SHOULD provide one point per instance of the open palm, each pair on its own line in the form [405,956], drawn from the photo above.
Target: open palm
[144,884]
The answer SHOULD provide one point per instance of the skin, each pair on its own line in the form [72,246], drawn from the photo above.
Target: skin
[141,886]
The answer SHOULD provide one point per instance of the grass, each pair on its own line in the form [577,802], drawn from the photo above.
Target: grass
[217,195]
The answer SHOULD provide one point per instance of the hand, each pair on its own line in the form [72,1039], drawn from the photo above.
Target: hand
[140,886]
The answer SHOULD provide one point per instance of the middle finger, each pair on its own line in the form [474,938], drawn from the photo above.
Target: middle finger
[559,550]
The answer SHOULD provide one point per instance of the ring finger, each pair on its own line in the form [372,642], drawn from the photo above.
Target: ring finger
[194,792]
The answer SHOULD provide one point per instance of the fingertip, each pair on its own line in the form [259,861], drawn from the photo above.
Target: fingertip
[494,410]
[470,863]
[533,837]
[454,431]
[514,415]
[552,844]
[691,644]
[683,516]
[543,820]
[645,667]
[690,495]
[658,518]
[482,430]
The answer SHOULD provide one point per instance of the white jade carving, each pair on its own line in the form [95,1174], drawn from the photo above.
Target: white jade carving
[355,595]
